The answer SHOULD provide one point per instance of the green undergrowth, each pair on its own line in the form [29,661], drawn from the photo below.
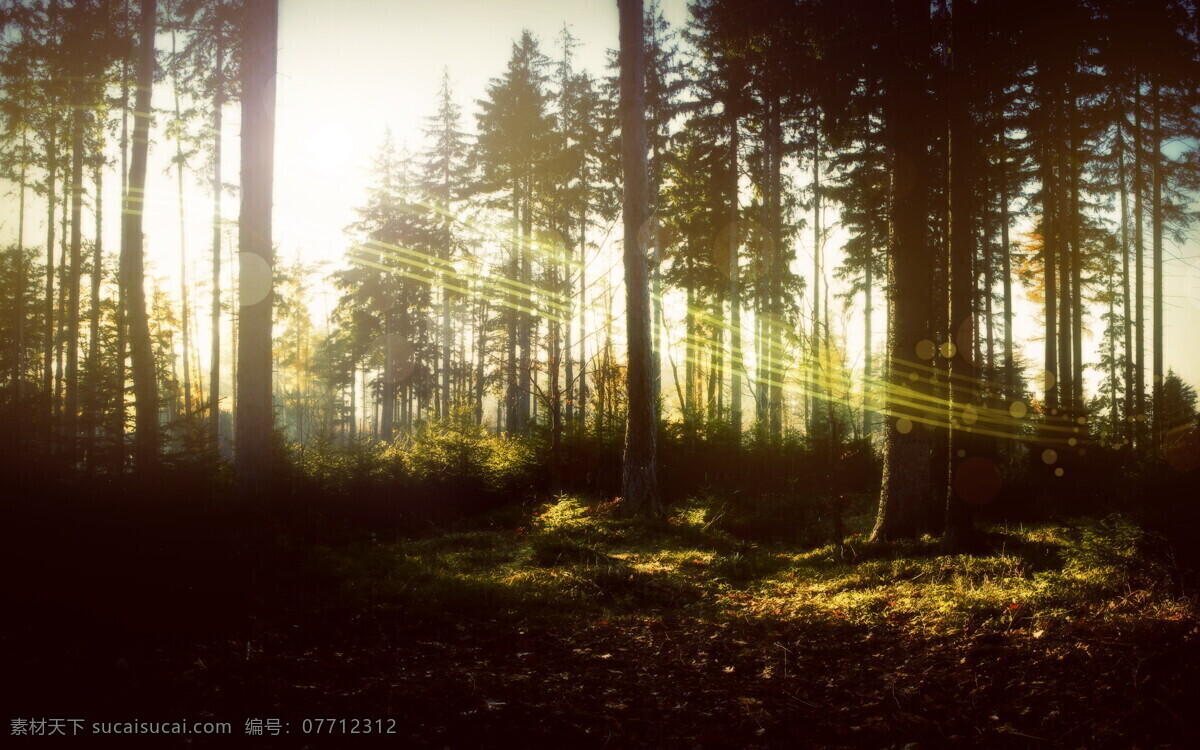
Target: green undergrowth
[571,559]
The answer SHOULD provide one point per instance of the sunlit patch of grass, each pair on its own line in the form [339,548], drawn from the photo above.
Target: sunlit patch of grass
[572,559]
[1093,571]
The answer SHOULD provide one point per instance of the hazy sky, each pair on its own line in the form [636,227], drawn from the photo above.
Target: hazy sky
[350,69]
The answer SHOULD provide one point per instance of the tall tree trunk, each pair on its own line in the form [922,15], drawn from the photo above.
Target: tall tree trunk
[51,198]
[583,331]
[48,328]
[689,359]
[554,386]
[119,412]
[18,373]
[252,464]
[528,320]
[1156,222]
[939,375]
[93,355]
[214,365]
[234,318]
[816,369]
[480,359]
[716,407]
[511,400]
[368,410]
[1066,251]
[447,343]
[1076,301]
[185,322]
[387,419]
[60,341]
[960,387]
[74,278]
[656,301]
[1073,301]
[1010,373]
[1115,414]
[869,408]
[1123,180]
[353,418]
[989,265]
[760,353]
[1139,264]
[906,462]
[868,373]
[640,479]
[1077,257]
[775,306]
[568,339]
[1050,263]
[735,287]
[145,386]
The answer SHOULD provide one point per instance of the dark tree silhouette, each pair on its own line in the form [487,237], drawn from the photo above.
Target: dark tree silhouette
[252,465]
[640,478]
[145,383]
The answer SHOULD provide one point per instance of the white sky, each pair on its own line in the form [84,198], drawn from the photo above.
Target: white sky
[350,69]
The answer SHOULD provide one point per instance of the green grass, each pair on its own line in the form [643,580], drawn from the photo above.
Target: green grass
[569,559]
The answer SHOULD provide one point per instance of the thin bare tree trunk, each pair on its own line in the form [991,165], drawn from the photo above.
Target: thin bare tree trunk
[480,360]
[48,328]
[583,331]
[735,288]
[60,341]
[816,369]
[1156,223]
[93,355]
[387,418]
[74,277]
[1139,283]
[1123,179]
[775,244]
[214,365]
[119,411]
[526,330]
[1006,272]
[18,373]
[252,461]
[51,197]
[511,400]
[183,285]
[1050,264]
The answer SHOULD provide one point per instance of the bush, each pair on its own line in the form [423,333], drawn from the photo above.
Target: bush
[444,469]
[460,455]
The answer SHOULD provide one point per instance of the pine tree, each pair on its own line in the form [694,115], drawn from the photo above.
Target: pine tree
[445,177]
[514,130]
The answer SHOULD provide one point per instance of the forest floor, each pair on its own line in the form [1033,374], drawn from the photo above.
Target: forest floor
[566,626]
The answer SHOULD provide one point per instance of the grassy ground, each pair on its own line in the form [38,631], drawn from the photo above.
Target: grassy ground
[566,626]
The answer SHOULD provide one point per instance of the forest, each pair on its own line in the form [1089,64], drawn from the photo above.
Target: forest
[705,373]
